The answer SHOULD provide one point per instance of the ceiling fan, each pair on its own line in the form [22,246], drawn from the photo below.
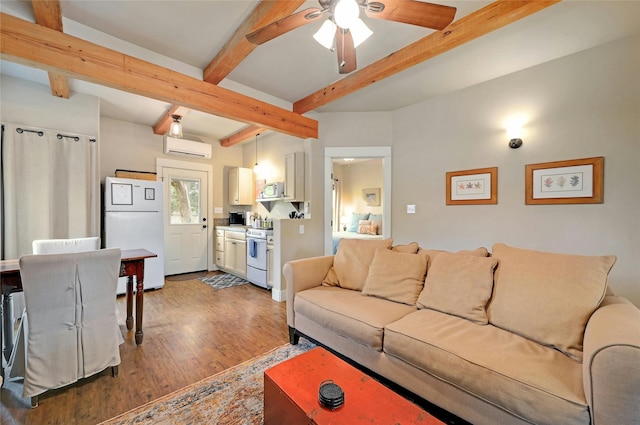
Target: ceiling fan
[344,26]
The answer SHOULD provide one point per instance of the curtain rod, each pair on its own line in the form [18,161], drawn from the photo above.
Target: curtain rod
[41,133]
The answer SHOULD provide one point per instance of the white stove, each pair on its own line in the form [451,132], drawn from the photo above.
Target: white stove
[257,256]
[259,233]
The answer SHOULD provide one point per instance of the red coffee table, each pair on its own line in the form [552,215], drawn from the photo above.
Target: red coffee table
[291,395]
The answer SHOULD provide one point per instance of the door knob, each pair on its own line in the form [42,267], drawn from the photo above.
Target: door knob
[204,226]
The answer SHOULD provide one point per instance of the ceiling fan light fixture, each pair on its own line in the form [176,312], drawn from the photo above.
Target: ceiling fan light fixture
[360,32]
[346,12]
[175,129]
[326,34]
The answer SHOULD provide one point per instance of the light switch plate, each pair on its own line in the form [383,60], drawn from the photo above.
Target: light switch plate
[217,210]
[411,209]
[301,229]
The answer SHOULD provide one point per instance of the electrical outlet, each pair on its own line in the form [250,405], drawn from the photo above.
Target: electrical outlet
[411,209]
[301,229]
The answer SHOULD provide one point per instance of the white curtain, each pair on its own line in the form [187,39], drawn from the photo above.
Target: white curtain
[50,187]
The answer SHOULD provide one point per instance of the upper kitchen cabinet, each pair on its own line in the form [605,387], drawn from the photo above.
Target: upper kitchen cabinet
[294,177]
[241,186]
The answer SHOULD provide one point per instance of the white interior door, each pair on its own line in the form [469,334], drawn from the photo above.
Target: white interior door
[186,220]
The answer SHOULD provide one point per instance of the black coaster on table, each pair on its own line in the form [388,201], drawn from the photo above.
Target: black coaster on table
[330,395]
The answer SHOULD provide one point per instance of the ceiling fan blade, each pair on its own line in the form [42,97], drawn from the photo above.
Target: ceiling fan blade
[346,51]
[284,25]
[412,12]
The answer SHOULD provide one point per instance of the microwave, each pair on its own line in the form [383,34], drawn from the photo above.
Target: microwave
[273,190]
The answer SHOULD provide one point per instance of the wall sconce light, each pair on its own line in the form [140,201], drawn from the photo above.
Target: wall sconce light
[175,130]
[514,133]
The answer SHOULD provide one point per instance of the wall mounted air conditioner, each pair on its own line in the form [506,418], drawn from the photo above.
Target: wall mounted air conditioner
[173,145]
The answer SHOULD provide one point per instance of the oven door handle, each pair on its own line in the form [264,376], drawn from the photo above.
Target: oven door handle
[253,248]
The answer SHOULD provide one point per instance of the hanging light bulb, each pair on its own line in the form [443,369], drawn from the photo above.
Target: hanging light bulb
[326,34]
[360,32]
[346,12]
[256,167]
[175,130]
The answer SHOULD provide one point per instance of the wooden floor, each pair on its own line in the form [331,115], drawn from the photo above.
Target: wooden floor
[191,331]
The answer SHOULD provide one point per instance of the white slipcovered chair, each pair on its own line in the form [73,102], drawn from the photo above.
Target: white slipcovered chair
[70,329]
[54,246]
[65,246]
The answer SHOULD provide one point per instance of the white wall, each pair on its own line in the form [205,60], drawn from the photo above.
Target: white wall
[32,104]
[131,146]
[355,178]
[584,105]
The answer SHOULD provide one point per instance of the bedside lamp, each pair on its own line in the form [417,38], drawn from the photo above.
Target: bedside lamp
[345,222]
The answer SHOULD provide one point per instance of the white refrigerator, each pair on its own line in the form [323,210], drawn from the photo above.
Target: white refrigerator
[133,219]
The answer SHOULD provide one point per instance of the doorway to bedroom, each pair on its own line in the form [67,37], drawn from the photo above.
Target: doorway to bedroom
[357,194]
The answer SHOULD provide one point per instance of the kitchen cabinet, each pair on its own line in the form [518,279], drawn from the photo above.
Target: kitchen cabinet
[220,248]
[241,186]
[294,177]
[235,253]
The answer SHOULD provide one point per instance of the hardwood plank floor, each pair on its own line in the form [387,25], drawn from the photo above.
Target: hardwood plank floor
[191,331]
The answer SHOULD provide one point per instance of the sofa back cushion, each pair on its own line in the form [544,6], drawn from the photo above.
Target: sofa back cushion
[396,276]
[351,262]
[432,253]
[547,297]
[410,248]
[460,285]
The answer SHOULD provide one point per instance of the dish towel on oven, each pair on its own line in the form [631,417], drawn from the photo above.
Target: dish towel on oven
[253,245]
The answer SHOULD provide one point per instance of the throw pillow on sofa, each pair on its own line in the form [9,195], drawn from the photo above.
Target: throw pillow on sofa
[460,285]
[432,253]
[547,297]
[351,262]
[410,248]
[396,276]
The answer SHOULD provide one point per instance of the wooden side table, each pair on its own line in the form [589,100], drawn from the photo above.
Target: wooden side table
[291,395]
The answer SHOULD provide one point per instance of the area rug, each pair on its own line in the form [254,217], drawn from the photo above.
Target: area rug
[225,280]
[231,397]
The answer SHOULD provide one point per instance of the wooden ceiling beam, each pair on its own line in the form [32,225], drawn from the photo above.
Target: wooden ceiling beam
[241,135]
[238,47]
[483,21]
[40,47]
[49,14]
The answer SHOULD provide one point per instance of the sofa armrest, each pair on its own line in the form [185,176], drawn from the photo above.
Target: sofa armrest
[611,365]
[304,274]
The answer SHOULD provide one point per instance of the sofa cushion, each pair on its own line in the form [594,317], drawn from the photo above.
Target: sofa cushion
[349,313]
[459,285]
[547,297]
[533,382]
[351,262]
[410,248]
[432,253]
[396,276]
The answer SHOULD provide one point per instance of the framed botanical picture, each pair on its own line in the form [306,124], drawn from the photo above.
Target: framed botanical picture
[472,187]
[371,196]
[577,181]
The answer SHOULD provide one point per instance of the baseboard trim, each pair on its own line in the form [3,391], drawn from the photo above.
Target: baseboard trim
[279,295]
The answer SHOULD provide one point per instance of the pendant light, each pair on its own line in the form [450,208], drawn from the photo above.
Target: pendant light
[256,167]
[175,130]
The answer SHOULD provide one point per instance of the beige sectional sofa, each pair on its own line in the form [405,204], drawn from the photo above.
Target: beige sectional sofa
[512,337]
